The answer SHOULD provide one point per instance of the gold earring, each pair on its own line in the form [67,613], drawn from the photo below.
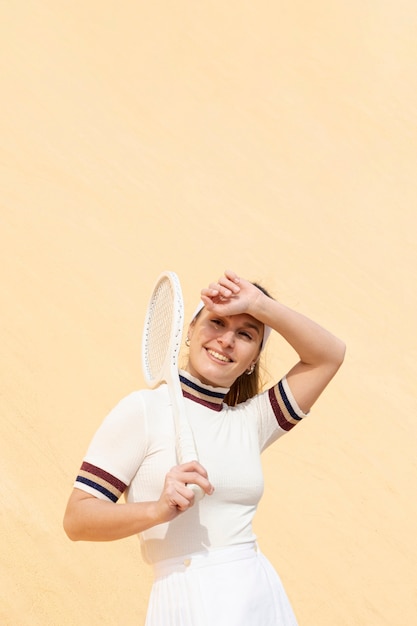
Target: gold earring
[251,369]
[187,341]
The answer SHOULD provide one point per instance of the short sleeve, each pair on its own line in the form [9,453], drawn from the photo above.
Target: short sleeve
[116,450]
[278,413]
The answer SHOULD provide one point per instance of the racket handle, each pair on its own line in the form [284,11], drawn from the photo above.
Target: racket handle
[186,451]
[198,492]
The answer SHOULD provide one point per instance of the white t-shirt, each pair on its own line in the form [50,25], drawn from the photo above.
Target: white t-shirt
[134,448]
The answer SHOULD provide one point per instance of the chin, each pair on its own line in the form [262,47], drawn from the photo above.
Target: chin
[213,374]
[217,379]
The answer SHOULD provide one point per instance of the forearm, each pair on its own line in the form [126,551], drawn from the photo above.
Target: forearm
[90,519]
[314,344]
[320,352]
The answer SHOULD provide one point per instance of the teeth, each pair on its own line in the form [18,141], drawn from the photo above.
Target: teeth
[219,356]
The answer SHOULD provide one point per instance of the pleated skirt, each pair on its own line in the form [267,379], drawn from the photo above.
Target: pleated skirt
[234,586]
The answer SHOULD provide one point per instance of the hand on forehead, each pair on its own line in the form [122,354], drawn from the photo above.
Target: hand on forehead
[200,307]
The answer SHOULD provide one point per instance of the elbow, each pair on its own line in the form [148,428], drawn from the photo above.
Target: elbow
[70,528]
[339,354]
[342,351]
[69,532]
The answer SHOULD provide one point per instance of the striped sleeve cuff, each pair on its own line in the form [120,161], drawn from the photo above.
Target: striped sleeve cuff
[284,405]
[99,483]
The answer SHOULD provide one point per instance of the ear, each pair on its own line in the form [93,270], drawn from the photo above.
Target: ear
[191,329]
[251,368]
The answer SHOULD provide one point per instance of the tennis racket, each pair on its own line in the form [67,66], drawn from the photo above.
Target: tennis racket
[161,342]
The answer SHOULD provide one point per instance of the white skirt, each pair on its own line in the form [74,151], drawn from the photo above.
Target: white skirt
[234,586]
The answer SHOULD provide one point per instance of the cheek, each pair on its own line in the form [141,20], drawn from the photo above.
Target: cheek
[252,355]
[202,334]
[198,340]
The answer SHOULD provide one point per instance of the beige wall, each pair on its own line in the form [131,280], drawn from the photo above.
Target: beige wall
[278,139]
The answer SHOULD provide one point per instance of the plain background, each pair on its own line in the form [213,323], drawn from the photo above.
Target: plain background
[276,139]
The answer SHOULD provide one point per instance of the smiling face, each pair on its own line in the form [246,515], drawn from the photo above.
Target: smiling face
[222,348]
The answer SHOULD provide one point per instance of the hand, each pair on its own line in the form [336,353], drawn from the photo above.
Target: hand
[176,496]
[231,295]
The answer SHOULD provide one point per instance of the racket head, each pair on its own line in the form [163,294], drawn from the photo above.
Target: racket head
[162,332]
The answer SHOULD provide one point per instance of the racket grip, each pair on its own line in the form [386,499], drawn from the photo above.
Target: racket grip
[186,452]
[198,492]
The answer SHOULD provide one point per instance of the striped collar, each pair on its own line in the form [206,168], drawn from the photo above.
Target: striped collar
[193,389]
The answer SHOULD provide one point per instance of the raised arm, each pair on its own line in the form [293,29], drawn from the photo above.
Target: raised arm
[320,352]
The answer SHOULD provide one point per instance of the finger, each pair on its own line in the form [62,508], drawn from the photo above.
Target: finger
[228,287]
[194,478]
[198,492]
[212,294]
[180,501]
[217,294]
[192,473]
[188,495]
[214,289]
[192,466]
[208,301]
[231,275]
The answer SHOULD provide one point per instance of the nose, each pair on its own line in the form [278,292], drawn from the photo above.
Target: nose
[227,338]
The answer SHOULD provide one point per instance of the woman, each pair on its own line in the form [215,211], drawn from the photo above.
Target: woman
[208,568]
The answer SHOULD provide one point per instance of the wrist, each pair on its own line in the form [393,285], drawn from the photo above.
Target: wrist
[155,515]
[260,306]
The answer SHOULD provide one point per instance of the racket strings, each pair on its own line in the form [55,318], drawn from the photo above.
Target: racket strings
[159,328]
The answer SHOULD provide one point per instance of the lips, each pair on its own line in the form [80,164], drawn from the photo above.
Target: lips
[218,356]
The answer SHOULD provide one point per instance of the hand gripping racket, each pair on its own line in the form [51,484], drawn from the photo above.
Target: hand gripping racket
[161,342]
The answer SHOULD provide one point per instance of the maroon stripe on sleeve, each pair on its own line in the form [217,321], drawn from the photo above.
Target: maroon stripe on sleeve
[281,419]
[100,473]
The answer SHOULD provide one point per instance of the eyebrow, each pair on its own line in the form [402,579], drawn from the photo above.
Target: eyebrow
[252,325]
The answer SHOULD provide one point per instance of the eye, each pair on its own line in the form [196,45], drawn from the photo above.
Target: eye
[246,335]
[217,322]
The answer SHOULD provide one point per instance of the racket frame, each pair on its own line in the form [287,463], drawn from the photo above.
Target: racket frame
[185,445]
